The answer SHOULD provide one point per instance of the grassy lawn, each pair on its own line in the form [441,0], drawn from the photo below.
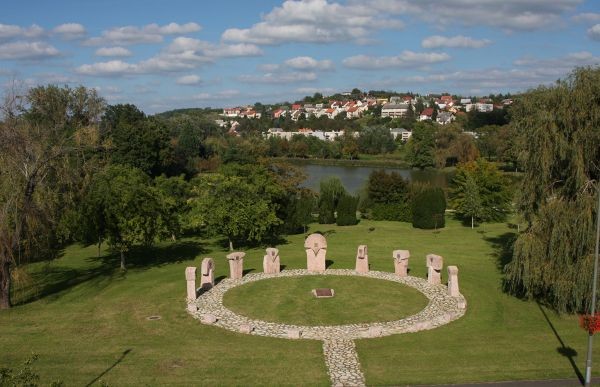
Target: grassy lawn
[356,300]
[87,320]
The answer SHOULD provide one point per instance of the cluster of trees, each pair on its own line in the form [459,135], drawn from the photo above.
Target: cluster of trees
[335,204]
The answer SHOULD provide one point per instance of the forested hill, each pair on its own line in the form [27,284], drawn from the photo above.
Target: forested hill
[189,111]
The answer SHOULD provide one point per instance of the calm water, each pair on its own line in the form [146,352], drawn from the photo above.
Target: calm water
[355,178]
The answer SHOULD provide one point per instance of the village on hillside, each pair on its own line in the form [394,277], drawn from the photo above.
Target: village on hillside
[442,109]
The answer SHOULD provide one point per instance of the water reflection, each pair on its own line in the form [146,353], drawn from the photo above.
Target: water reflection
[355,178]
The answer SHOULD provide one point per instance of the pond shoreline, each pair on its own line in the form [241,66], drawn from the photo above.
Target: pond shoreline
[399,164]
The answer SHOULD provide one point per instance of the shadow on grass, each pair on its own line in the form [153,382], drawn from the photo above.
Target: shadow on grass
[120,359]
[503,248]
[51,280]
[564,350]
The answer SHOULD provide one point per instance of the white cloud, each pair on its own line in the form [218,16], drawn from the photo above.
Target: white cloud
[287,77]
[308,63]
[562,65]
[151,33]
[70,31]
[313,21]
[9,31]
[188,80]
[110,68]
[27,50]
[459,41]
[113,51]
[407,59]
[313,90]
[209,50]
[587,17]
[508,14]
[218,96]
[594,32]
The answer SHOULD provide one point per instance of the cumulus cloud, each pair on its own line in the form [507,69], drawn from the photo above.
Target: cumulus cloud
[70,31]
[287,77]
[151,33]
[509,15]
[188,80]
[407,59]
[308,63]
[9,31]
[182,54]
[313,21]
[110,68]
[459,41]
[594,32]
[313,90]
[562,65]
[27,50]
[113,51]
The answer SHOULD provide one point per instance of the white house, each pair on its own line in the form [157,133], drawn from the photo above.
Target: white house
[394,110]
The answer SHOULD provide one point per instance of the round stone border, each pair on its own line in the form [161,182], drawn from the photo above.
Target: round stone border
[441,309]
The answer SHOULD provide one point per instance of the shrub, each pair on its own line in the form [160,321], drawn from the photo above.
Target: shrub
[428,208]
[346,210]
[326,210]
[392,211]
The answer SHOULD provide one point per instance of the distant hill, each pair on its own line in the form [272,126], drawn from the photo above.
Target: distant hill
[189,111]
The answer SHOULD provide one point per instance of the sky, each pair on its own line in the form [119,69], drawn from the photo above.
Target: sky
[162,55]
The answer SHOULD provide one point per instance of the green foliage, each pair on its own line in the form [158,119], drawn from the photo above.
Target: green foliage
[421,145]
[175,192]
[23,376]
[298,213]
[331,189]
[376,140]
[136,140]
[122,206]
[346,210]
[429,206]
[481,191]
[232,206]
[388,196]
[560,154]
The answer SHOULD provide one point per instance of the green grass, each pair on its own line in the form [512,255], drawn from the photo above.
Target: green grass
[356,300]
[87,321]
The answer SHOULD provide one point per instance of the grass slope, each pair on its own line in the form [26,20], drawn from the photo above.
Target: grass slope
[88,321]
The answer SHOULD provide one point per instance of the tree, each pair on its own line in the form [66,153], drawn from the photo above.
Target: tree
[388,196]
[559,129]
[422,145]
[233,207]
[45,137]
[346,210]
[331,189]
[429,206]
[376,140]
[130,209]
[467,201]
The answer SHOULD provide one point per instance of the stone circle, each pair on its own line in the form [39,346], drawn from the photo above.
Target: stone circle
[441,309]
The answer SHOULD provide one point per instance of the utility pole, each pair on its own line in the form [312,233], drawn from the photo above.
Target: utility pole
[588,364]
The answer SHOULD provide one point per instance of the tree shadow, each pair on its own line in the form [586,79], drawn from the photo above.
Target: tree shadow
[324,233]
[143,257]
[328,263]
[564,350]
[51,281]
[120,359]
[503,248]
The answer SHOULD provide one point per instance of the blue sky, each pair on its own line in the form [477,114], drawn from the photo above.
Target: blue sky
[162,54]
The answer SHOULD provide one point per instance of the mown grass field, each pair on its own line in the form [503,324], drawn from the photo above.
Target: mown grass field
[88,321]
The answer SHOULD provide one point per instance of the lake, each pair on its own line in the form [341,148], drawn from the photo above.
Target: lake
[355,178]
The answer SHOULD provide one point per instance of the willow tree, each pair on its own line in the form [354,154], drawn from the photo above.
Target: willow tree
[560,154]
[44,134]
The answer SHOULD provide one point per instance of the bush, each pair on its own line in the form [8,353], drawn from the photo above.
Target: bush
[346,210]
[428,208]
[326,210]
[392,211]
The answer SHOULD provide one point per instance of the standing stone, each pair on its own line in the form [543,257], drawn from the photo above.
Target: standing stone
[435,263]
[401,262]
[271,263]
[190,277]
[453,281]
[316,249]
[236,264]
[362,259]
[207,272]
